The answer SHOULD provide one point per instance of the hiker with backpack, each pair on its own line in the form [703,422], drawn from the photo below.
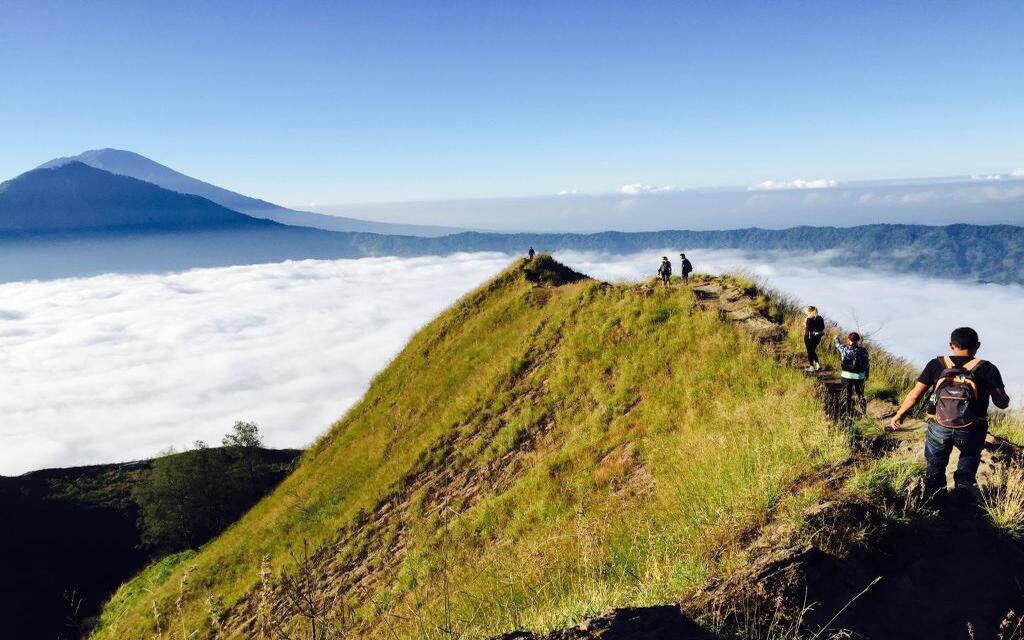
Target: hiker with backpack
[530,254]
[685,268]
[855,369]
[814,331]
[665,270]
[962,386]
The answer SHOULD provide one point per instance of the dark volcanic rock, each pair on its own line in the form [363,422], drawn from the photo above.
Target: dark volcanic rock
[660,622]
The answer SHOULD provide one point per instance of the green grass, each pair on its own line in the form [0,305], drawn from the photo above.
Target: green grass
[154,577]
[532,457]
[888,478]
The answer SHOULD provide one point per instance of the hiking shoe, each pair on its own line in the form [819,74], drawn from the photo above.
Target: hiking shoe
[817,366]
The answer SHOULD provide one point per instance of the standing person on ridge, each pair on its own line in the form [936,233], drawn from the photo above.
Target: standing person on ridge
[962,386]
[665,270]
[530,254]
[686,268]
[855,370]
[814,331]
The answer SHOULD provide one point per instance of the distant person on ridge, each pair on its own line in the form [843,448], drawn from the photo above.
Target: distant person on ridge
[962,386]
[855,370]
[686,268]
[665,270]
[530,254]
[814,331]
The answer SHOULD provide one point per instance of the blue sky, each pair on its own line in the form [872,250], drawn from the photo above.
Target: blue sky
[381,101]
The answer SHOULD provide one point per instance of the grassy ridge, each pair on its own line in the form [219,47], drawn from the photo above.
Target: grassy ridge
[534,455]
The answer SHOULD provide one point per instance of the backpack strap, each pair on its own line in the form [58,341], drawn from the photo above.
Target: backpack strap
[948,362]
[973,364]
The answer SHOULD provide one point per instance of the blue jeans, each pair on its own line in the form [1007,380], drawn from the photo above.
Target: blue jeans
[939,444]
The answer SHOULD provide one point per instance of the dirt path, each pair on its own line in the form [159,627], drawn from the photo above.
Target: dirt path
[736,307]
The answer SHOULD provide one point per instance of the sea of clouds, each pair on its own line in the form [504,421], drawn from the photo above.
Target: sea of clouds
[119,367]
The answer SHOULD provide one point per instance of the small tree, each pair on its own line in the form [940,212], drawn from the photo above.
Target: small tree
[183,500]
[244,435]
[244,443]
[188,497]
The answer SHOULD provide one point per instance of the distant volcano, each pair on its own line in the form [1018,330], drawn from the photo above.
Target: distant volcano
[131,164]
[75,197]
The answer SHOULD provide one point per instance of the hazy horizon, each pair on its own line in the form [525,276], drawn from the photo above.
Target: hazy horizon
[990,199]
[975,199]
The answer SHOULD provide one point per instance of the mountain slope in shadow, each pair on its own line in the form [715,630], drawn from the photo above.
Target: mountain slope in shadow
[71,536]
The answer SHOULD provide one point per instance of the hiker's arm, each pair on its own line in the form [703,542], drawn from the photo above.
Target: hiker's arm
[1000,398]
[908,403]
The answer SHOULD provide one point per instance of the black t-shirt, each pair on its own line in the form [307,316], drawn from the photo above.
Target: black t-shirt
[814,325]
[986,376]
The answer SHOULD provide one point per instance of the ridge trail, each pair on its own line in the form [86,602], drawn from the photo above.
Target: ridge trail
[946,574]
[736,307]
[940,575]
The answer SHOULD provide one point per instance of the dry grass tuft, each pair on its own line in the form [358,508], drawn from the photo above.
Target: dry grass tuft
[1003,501]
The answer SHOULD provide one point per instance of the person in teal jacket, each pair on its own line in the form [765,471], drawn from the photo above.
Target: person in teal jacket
[856,367]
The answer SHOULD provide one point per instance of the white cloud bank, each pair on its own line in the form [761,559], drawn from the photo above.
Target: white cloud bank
[118,367]
[638,188]
[775,185]
[1017,173]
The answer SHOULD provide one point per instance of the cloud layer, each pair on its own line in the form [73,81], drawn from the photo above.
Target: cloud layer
[119,367]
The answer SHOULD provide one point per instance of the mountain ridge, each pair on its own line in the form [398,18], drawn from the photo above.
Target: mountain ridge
[542,413]
[554,447]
